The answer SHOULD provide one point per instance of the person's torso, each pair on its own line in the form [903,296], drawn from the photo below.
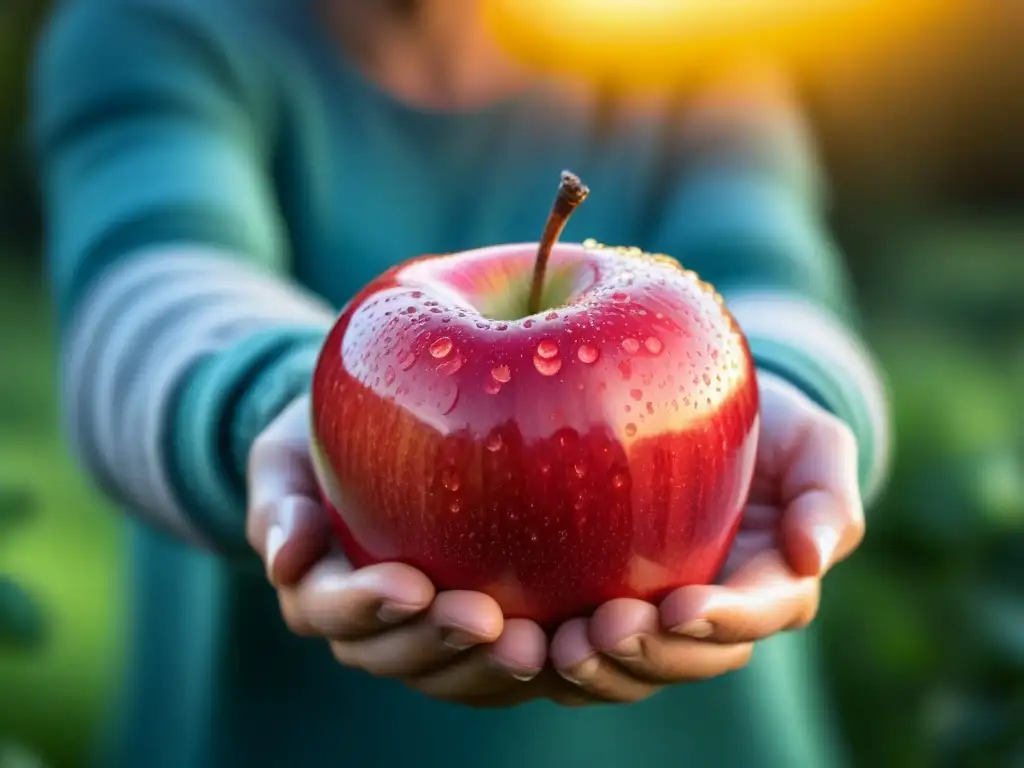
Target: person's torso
[364,183]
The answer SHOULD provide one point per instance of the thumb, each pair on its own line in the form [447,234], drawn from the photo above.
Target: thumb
[286,524]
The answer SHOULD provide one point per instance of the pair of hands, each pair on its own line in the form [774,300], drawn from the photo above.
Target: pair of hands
[804,515]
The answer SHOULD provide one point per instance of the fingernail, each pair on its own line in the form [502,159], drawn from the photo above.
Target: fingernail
[275,540]
[389,613]
[581,673]
[524,676]
[826,538]
[459,640]
[630,648]
[698,628]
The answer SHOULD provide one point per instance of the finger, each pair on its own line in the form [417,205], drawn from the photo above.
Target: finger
[486,672]
[823,518]
[335,601]
[629,632]
[577,660]
[285,523]
[762,598]
[456,622]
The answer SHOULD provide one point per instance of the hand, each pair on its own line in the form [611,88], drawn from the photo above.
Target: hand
[803,516]
[386,619]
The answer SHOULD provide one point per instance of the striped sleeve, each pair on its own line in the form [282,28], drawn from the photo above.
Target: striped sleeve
[748,215]
[179,339]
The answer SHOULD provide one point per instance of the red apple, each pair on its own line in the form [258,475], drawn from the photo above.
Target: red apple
[601,447]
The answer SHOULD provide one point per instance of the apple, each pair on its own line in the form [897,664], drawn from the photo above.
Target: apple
[555,425]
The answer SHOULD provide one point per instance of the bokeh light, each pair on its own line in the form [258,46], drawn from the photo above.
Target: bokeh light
[664,42]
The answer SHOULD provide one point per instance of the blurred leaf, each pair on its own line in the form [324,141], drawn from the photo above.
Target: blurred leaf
[16,507]
[997,617]
[22,626]
[14,755]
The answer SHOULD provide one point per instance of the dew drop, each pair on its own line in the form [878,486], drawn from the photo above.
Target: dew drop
[492,387]
[707,379]
[551,316]
[494,442]
[406,361]
[501,374]
[587,354]
[636,394]
[450,367]
[389,376]
[450,479]
[441,348]
[581,469]
[619,480]
[650,408]
[547,367]
[528,324]
[501,327]
[620,297]
[631,345]
[653,345]
[631,430]
[547,349]
[455,508]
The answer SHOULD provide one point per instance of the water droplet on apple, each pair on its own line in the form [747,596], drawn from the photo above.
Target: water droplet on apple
[707,379]
[636,394]
[631,345]
[547,367]
[494,442]
[650,408]
[627,408]
[587,354]
[389,376]
[450,479]
[417,294]
[527,323]
[455,508]
[450,367]
[533,537]
[501,373]
[501,327]
[620,297]
[551,316]
[441,348]
[407,360]
[581,468]
[631,430]
[492,387]
[449,401]
[547,349]
[410,310]
[654,345]
[620,480]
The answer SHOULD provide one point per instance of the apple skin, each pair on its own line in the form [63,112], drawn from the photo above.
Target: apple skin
[599,450]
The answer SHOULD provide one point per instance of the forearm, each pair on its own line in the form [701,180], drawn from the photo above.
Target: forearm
[172,364]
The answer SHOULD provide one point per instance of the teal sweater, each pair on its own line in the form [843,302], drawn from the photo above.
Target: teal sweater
[218,180]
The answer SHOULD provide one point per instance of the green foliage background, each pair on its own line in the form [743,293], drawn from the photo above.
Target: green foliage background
[924,628]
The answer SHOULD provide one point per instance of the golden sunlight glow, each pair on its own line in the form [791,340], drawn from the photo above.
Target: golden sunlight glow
[659,41]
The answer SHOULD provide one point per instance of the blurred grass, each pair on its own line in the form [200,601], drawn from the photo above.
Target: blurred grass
[58,544]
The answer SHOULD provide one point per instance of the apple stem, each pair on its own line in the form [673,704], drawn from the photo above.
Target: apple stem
[571,193]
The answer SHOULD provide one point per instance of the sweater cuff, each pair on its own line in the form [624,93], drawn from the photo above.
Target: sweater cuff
[227,401]
[807,345]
